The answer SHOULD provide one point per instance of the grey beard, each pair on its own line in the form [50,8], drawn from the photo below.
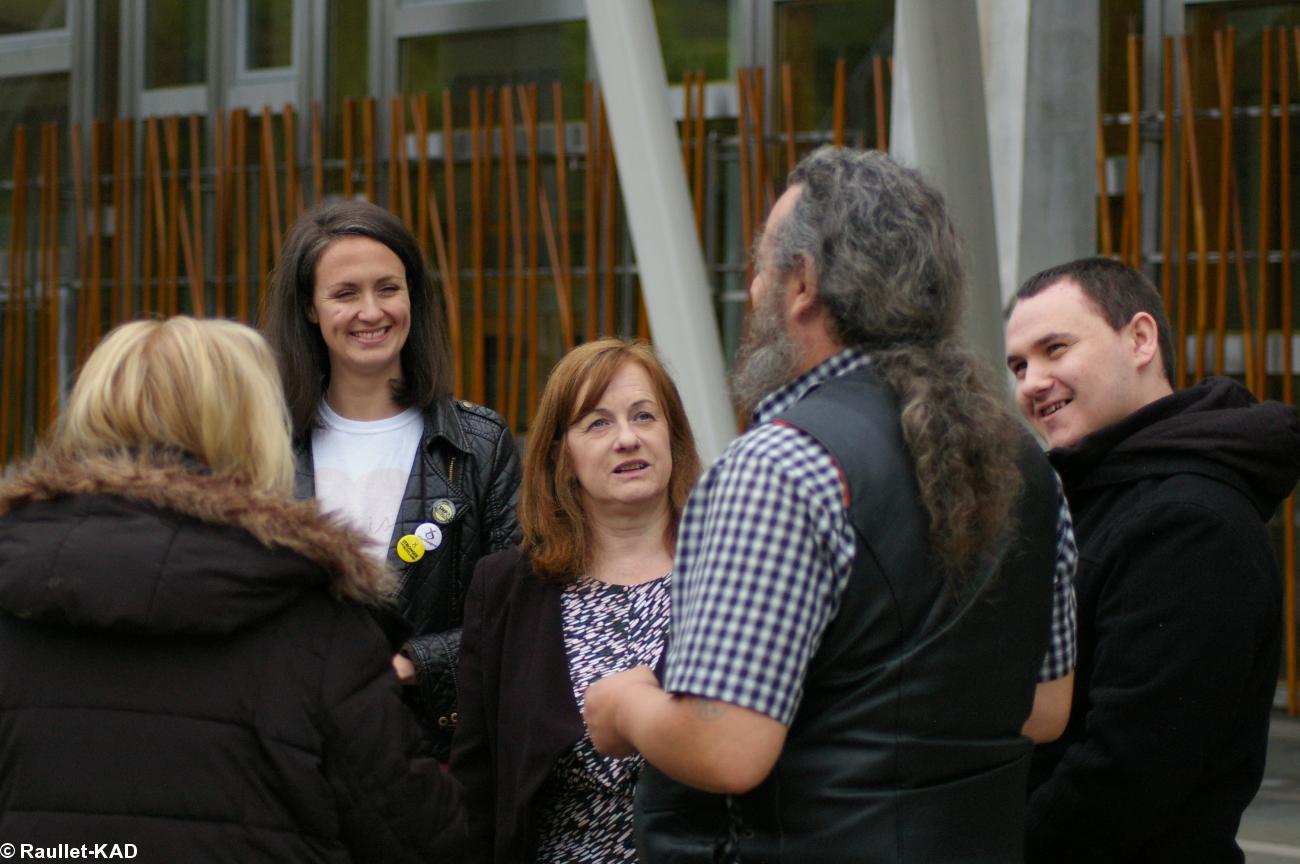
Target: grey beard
[766,359]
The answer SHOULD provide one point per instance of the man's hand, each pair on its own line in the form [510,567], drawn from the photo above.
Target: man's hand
[602,701]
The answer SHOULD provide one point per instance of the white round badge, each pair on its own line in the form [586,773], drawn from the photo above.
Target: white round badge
[430,535]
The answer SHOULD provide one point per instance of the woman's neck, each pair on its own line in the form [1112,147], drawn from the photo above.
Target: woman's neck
[362,399]
[631,548]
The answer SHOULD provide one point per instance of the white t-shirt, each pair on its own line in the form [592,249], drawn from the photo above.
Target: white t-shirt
[362,467]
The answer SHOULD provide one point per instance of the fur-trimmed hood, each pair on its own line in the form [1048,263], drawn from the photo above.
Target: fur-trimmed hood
[152,548]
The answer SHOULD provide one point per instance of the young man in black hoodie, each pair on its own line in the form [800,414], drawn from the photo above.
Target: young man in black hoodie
[1179,599]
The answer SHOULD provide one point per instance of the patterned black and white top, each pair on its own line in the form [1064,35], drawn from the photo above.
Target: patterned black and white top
[586,815]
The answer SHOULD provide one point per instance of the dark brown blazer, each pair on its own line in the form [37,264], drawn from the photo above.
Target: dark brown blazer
[517,711]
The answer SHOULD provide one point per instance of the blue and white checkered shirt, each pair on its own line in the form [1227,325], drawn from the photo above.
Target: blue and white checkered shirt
[764,552]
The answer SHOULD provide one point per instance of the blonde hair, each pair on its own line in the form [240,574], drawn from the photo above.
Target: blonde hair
[183,388]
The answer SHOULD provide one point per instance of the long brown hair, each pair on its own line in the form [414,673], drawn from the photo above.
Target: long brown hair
[557,537]
[298,344]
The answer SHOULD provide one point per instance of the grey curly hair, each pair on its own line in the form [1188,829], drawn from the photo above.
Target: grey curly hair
[889,271]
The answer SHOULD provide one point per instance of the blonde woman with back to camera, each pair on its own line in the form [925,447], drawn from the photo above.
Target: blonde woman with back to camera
[186,660]
[609,463]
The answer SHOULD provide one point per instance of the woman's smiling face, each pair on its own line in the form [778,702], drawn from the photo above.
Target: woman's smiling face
[363,307]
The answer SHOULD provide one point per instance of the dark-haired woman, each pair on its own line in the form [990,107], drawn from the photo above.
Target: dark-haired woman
[362,348]
[609,463]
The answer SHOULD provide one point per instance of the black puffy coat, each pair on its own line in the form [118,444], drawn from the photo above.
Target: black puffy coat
[467,459]
[184,666]
[1180,620]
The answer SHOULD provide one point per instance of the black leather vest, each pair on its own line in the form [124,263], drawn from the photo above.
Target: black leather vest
[906,745]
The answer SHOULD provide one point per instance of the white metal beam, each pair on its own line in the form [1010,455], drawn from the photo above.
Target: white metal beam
[673,275]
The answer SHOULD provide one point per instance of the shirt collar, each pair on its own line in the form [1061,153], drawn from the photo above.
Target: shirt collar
[779,401]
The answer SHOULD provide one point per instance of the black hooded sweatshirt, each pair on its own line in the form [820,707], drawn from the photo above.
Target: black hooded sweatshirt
[1179,612]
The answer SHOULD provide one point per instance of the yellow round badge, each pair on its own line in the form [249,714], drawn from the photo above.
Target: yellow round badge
[410,549]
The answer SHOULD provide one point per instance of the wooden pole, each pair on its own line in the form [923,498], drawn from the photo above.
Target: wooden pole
[589,213]
[95,300]
[195,261]
[552,250]
[503,253]
[609,190]
[477,194]
[42,331]
[50,214]
[565,265]
[264,216]
[240,138]
[688,117]
[1133,186]
[79,225]
[396,128]
[116,255]
[292,193]
[746,200]
[420,117]
[317,157]
[1198,213]
[1223,62]
[269,180]
[1184,292]
[1167,179]
[128,220]
[453,240]
[511,166]
[787,115]
[882,119]
[838,99]
[221,206]
[148,232]
[451,301]
[698,200]
[1243,287]
[348,136]
[403,163]
[1265,188]
[1287,290]
[180,224]
[15,351]
[170,136]
[762,176]
[528,114]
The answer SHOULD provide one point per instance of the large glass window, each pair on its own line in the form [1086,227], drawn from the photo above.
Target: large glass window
[25,16]
[176,43]
[695,35]
[268,33]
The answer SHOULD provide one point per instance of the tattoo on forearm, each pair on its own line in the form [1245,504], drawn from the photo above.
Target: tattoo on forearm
[707,709]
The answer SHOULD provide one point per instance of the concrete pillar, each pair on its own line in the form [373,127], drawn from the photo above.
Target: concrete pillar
[939,127]
[673,274]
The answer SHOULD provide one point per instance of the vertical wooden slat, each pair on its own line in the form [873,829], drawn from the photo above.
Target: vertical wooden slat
[511,166]
[477,388]
[503,246]
[688,116]
[565,266]
[147,230]
[292,194]
[42,330]
[1132,240]
[1287,289]
[1198,212]
[837,102]
[529,109]
[79,226]
[128,220]
[420,117]
[239,138]
[1243,285]
[368,146]
[445,279]
[787,116]
[453,240]
[180,225]
[317,157]
[589,211]
[116,254]
[746,200]
[95,300]
[264,216]
[1167,178]
[198,265]
[269,180]
[403,163]
[221,207]
[10,380]
[698,201]
[1264,230]
[882,119]
[349,112]
[162,236]
[762,177]
[171,139]
[396,127]
[1223,61]
[528,115]
[609,192]
[1103,194]
[52,276]
[1184,292]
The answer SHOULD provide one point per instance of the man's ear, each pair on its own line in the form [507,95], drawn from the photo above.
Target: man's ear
[804,297]
[1144,339]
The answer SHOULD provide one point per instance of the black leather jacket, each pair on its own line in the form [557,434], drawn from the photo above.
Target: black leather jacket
[466,481]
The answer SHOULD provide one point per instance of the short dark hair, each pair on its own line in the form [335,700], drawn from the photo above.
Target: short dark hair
[300,348]
[1117,291]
